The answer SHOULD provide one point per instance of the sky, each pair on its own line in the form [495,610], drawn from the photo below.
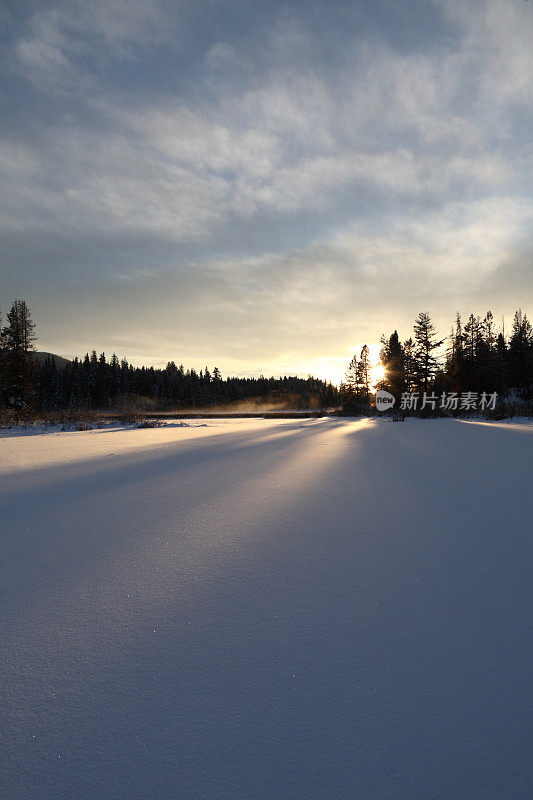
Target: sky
[263,186]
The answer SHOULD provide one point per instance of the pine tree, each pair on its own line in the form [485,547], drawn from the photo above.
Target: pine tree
[3,362]
[364,374]
[357,387]
[473,346]
[425,346]
[393,360]
[18,338]
[352,381]
[409,364]
[501,364]
[488,373]
[455,356]
[521,353]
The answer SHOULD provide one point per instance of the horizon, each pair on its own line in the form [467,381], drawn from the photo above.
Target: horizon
[329,376]
[161,364]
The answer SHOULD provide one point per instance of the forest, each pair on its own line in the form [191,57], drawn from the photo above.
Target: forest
[109,384]
[477,356]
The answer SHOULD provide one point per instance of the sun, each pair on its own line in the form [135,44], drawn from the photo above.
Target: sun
[377,373]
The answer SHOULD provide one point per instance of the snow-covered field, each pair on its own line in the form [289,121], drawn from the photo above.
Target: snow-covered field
[267,609]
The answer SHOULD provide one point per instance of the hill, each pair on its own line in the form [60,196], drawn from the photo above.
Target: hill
[40,356]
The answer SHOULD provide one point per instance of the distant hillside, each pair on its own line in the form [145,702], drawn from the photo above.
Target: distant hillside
[41,356]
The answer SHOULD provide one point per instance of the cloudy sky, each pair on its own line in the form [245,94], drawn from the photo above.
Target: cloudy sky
[263,186]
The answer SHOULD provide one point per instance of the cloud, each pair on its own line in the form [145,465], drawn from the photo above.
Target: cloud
[295,184]
[389,123]
[498,35]
[59,40]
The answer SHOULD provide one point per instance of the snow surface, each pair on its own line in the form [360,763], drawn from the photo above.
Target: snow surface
[264,609]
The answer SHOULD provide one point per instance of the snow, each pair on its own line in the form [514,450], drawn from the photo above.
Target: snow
[262,609]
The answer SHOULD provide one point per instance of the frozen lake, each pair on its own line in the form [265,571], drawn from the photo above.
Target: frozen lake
[264,609]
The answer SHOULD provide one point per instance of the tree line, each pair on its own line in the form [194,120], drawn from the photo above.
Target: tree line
[478,357]
[100,383]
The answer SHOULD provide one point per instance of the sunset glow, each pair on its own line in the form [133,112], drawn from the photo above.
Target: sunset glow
[377,374]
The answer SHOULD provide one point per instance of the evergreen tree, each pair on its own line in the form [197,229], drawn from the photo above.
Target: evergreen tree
[393,360]
[409,364]
[425,346]
[455,356]
[364,374]
[473,345]
[18,338]
[487,367]
[3,361]
[352,381]
[501,359]
[521,353]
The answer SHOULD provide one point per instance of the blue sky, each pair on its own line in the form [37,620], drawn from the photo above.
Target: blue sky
[263,186]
